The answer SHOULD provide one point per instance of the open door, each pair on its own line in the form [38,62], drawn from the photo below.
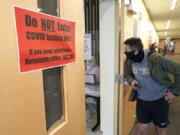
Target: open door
[127,116]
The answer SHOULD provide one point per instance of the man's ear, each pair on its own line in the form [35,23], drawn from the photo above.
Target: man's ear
[136,52]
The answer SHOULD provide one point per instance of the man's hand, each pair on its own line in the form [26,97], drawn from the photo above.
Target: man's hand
[169,96]
[135,84]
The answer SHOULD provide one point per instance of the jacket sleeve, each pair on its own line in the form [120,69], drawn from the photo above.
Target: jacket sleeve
[129,78]
[173,68]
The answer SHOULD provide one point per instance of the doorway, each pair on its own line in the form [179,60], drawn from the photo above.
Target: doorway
[92,66]
[104,53]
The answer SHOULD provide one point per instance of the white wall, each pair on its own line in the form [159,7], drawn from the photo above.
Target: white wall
[147,30]
[108,66]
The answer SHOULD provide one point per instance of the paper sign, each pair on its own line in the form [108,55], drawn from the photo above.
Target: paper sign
[87,47]
[44,41]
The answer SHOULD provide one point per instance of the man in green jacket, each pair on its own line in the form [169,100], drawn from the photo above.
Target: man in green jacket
[148,73]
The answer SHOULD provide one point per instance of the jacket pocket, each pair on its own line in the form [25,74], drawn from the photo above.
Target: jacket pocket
[133,96]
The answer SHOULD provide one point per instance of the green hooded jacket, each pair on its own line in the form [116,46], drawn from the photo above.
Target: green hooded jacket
[160,67]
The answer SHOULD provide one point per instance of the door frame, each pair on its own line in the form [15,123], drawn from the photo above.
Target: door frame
[109,67]
[121,67]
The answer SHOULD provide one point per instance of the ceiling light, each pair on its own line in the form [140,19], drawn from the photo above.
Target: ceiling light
[173,4]
[126,2]
[168,24]
[165,34]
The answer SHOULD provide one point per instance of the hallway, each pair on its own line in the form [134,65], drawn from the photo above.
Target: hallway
[174,125]
[173,128]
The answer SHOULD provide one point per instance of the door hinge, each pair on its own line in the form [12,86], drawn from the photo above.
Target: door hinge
[119,78]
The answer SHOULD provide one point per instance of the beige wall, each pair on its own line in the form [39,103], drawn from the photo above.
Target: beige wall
[21,95]
[161,43]
[148,35]
[177,47]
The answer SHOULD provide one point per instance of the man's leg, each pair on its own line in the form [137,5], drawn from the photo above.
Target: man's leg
[143,117]
[160,131]
[142,129]
[160,112]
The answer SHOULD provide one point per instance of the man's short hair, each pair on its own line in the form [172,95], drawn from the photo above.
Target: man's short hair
[134,43]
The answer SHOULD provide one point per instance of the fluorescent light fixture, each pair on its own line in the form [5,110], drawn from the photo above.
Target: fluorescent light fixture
[173,4]
[165,33]
[126,2]
[168,24]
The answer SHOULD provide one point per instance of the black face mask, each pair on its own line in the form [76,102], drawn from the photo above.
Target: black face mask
[135,58]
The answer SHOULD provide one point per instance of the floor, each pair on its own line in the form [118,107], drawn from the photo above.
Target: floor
[91,117]
[174,127]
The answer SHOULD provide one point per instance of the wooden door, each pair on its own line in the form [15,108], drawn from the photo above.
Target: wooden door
[22,99]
